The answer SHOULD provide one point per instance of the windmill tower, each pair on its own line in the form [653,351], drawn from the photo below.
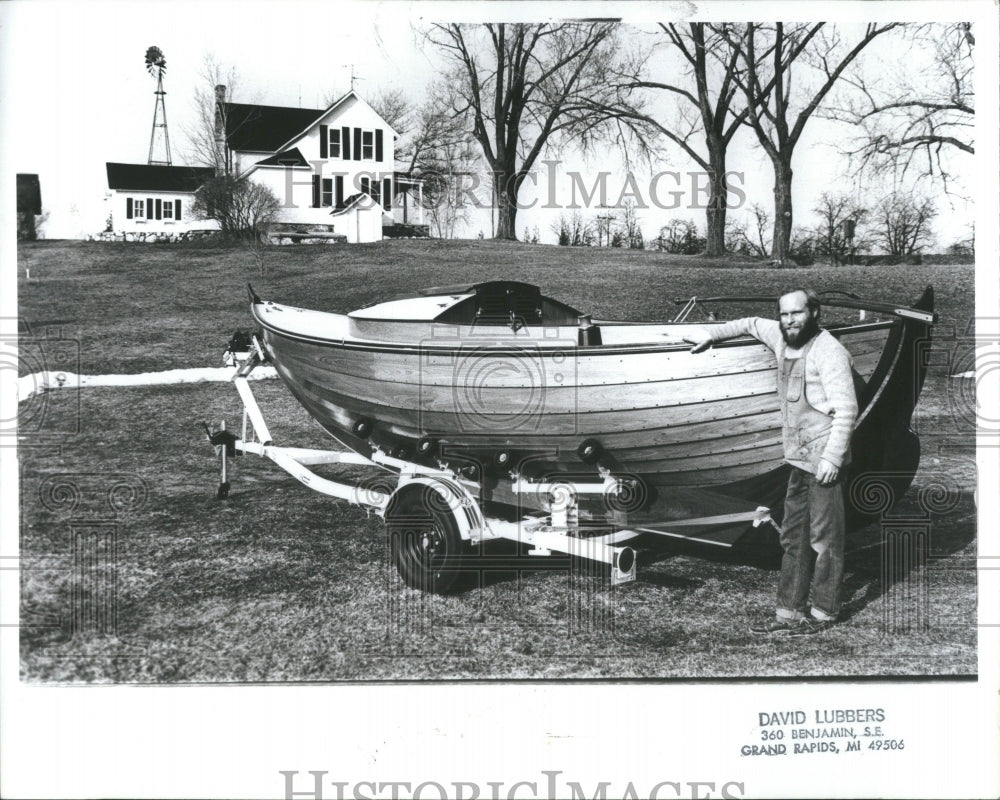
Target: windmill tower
[156,65]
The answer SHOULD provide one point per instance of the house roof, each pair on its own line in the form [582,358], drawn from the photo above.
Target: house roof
[156,178]
[268,129]
[351,201]
[265,128]
[286,158]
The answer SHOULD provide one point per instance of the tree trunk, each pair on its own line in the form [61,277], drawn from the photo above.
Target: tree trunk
[505,185]
[715,214]
[782,232]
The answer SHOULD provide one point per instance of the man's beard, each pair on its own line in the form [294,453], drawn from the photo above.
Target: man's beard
[800,337]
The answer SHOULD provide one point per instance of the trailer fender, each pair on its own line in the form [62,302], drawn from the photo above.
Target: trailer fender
[440,493]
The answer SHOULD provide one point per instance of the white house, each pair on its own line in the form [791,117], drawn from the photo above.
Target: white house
[331,170]
[155,199]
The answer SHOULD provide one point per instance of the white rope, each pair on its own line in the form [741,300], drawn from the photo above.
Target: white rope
[30,385]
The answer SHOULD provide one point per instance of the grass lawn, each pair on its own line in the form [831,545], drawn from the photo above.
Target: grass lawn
[282,584]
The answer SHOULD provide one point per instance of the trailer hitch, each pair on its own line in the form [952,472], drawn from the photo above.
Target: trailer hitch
[225,445]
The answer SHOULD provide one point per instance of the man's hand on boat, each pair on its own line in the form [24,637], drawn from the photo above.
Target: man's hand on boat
[701,339]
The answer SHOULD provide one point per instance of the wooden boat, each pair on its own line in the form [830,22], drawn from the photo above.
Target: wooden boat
[496,379]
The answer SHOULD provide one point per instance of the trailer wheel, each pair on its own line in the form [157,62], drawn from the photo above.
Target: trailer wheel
[424,540]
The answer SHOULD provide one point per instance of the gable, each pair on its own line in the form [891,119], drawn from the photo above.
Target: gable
[286,158]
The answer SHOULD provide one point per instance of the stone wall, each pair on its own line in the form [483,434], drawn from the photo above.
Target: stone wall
[142,236]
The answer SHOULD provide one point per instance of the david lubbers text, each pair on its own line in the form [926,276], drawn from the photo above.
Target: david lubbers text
[822,715]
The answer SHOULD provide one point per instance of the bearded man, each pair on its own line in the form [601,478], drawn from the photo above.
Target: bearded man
[818,411]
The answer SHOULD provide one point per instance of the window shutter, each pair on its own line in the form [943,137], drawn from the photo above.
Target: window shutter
[324,140]
[345,143]
[366,186]
[159,208]
[177,210]
[149,208]
[128,208]
[357,144]
[339,197]
[387,194]
[316,188]
[378,145]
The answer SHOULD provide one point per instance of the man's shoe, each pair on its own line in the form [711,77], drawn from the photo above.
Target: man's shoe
[774,626]
[809,626]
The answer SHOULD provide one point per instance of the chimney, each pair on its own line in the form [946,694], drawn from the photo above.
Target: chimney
[220,129]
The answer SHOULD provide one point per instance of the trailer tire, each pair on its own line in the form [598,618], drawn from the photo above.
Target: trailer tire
[424,540]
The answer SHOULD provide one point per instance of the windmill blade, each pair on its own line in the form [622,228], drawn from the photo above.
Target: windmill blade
[155,62]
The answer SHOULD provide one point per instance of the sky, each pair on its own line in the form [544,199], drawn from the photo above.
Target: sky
[89,99]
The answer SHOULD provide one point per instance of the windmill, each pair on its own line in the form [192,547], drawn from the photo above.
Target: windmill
[156,65]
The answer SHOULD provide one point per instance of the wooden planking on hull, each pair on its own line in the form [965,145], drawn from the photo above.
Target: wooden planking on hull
[598,369]
[532,367]
[472,421]
[543,394]
[719,477]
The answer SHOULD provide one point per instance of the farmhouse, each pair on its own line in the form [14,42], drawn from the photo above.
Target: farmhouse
[331,170]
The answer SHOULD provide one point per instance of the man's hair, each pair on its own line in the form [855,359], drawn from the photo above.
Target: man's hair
[812,300]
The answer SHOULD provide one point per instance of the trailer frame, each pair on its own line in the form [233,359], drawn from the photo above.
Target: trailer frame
[434,515]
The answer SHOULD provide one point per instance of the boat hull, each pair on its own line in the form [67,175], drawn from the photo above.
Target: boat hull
[491,401]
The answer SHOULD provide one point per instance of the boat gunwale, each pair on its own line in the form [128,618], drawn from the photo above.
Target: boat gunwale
[538,347]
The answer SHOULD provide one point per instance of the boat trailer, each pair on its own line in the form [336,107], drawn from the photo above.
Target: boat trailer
[436,522]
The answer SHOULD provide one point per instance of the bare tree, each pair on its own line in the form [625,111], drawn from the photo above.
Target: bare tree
[916,118]
[204,145]
[439,150]
[836,211]
[752,238]
[523,87]
[706,96]
[679,236]
[573,232]
[244,209]
[966,245]
[902,223]
[631,230]
[771,55]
